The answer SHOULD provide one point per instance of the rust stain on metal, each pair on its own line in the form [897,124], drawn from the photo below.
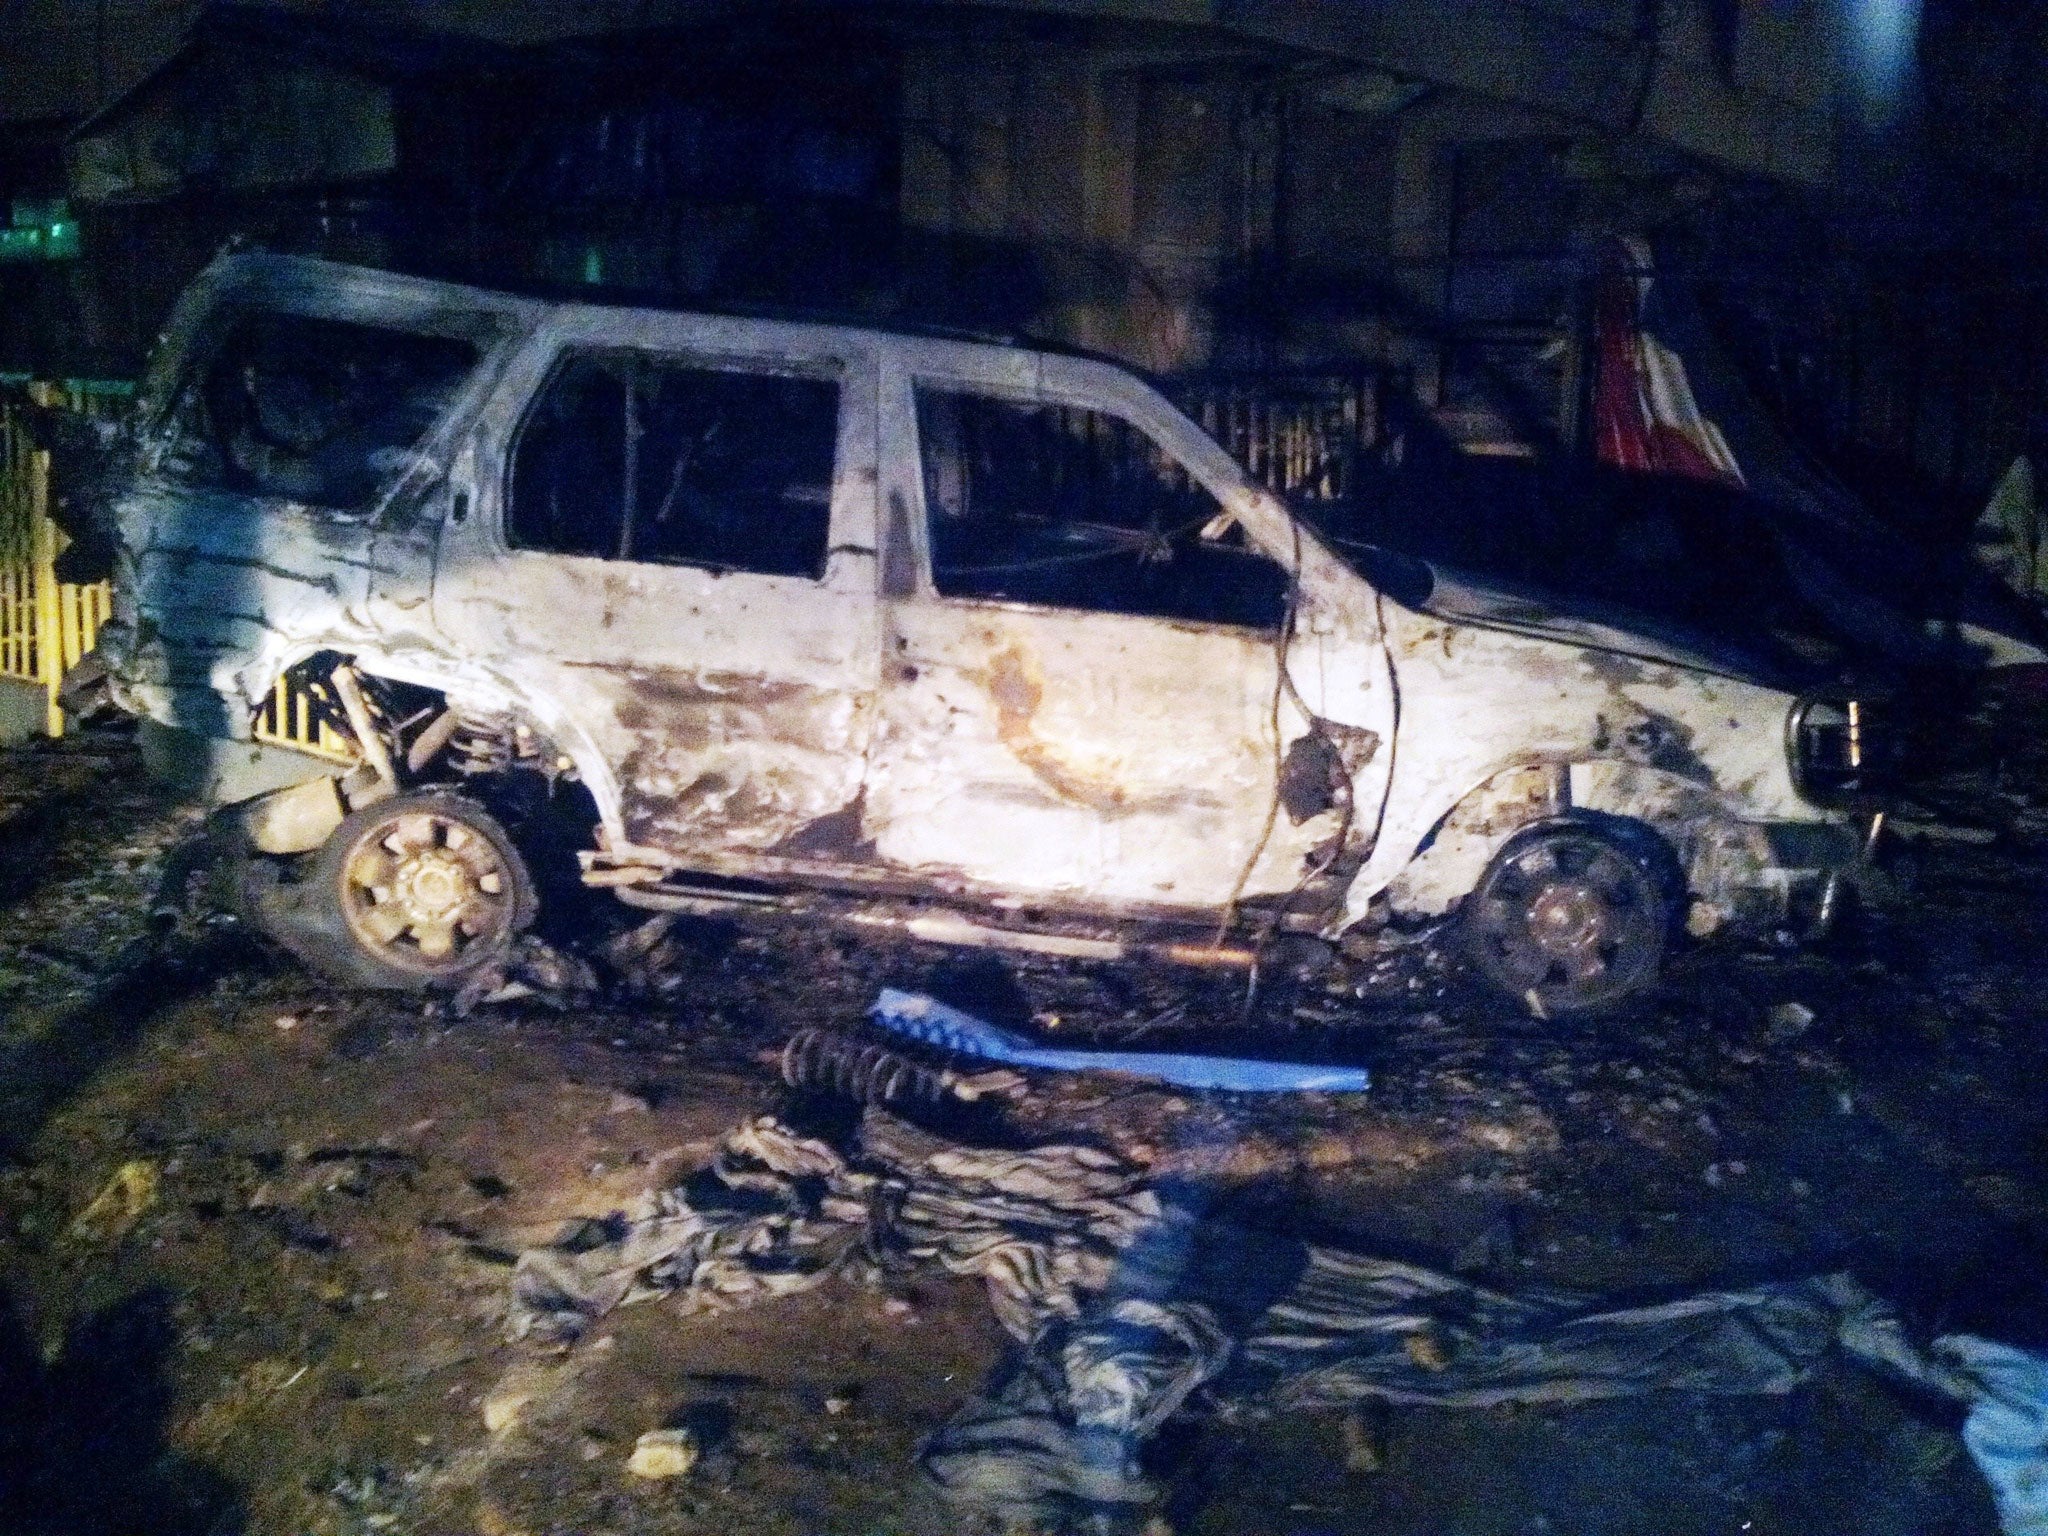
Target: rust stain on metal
[840,834]
[1017,690]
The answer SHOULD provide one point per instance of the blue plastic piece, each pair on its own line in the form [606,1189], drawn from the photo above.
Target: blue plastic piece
[927,1019]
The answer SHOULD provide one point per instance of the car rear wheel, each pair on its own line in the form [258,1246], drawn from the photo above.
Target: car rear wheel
[415,892]
[1573,916]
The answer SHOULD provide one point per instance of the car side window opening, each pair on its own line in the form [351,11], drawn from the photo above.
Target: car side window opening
[1065,507]
[324,412]
[630,457]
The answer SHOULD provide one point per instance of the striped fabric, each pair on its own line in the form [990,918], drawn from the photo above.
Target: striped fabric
[1128,1307]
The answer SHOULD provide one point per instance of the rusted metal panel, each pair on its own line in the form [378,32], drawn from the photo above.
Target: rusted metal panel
[1105,759]
[1076,755]
[731,710]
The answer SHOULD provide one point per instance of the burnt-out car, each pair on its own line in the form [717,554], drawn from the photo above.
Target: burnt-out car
[988,643]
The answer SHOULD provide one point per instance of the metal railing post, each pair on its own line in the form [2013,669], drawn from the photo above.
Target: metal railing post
[49,637]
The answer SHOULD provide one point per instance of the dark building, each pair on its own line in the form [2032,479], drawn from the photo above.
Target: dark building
[1410,189]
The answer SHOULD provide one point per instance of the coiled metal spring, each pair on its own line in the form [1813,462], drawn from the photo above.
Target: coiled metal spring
[825,1062]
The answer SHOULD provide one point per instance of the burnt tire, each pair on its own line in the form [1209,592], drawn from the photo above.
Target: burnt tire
[415,893]
[1574,916]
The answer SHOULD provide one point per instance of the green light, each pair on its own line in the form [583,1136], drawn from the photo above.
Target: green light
[40,231]
[34,213]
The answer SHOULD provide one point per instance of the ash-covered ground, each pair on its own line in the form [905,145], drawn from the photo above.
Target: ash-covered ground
[256,1232]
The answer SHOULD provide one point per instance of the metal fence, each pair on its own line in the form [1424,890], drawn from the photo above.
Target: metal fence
[290,717]
[46,625]
[1307,435]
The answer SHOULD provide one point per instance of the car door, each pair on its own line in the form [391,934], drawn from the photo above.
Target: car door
[670,553]
[1081,694]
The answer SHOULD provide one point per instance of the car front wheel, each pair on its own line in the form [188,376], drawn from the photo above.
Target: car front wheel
[1573,916]
[416,892]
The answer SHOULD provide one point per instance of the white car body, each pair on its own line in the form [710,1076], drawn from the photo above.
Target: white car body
[1033,767]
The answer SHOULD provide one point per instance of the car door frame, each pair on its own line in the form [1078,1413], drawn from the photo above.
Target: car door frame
[550,692]
[1341,688]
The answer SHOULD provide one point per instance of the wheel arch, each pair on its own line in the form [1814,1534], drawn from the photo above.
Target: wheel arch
[486,691]
[1452,855]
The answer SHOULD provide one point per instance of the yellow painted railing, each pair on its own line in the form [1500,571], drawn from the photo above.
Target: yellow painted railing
[288,718]
[46,625]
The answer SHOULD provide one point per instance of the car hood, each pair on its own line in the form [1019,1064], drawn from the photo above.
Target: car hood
[1443,593]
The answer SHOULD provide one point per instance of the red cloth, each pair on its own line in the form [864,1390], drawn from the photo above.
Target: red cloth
[1644,415]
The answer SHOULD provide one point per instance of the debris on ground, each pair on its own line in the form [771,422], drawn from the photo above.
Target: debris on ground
[2007,1429]
[1365,1449]
[1124,1303]
[825,1061]
[120,1203]
[663,1453]
[647,961]
[1789,1021]
[936,1023]
[528,1385]
[531,968]
[299,1336]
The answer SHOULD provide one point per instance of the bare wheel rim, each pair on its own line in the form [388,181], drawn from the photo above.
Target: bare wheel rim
[1568,914]
[427,891]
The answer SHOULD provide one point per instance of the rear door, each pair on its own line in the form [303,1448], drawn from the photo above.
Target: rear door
[671,554]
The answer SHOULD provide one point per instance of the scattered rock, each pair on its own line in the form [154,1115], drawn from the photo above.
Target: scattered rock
[663,1453]
[521,1393]
[504,1406]
[1790,1020]
[1365,1448]
[120,1203]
